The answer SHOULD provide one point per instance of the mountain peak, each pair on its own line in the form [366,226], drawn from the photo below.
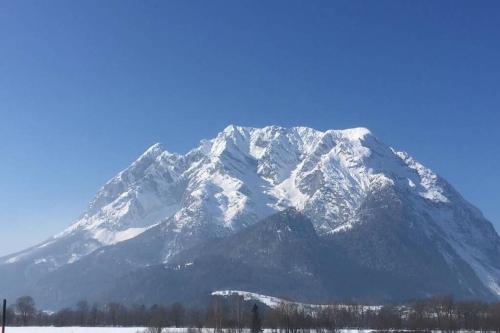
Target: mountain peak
[154,150]
[232,128]
[356,133]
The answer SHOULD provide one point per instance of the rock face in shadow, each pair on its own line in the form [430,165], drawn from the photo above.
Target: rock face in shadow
[283,256]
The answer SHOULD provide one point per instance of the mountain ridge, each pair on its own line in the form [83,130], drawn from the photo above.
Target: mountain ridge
[342,180]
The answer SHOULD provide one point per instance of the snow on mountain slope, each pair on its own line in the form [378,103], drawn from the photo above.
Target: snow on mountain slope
[270,301]
[127,205]
[276,302]
[135,199]
[248,173]
[245,174]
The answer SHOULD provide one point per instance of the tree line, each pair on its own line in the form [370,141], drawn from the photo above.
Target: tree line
[233,314]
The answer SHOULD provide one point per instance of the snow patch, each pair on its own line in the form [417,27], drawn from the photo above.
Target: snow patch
[276,302]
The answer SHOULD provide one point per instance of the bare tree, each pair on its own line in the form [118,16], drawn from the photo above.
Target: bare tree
[25,306]
[237,312]
[196,318]
[94,314]
[158,319]
[215,314]
[177,313]
[494,315]
[82,312]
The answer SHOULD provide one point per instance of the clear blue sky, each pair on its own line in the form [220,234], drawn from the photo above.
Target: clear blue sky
[86,86]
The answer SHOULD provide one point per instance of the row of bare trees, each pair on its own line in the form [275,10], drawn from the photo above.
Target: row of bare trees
[233,314]
[24,313]
[434,313]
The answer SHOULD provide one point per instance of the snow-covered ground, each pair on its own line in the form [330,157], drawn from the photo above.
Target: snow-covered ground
[120,330]
[142,330]
[74,330]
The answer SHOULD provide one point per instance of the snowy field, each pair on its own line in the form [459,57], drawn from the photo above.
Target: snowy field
[144,330]
[118,330]
[74,330]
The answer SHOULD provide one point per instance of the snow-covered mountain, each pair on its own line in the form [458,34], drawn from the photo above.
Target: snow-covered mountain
[342,180]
